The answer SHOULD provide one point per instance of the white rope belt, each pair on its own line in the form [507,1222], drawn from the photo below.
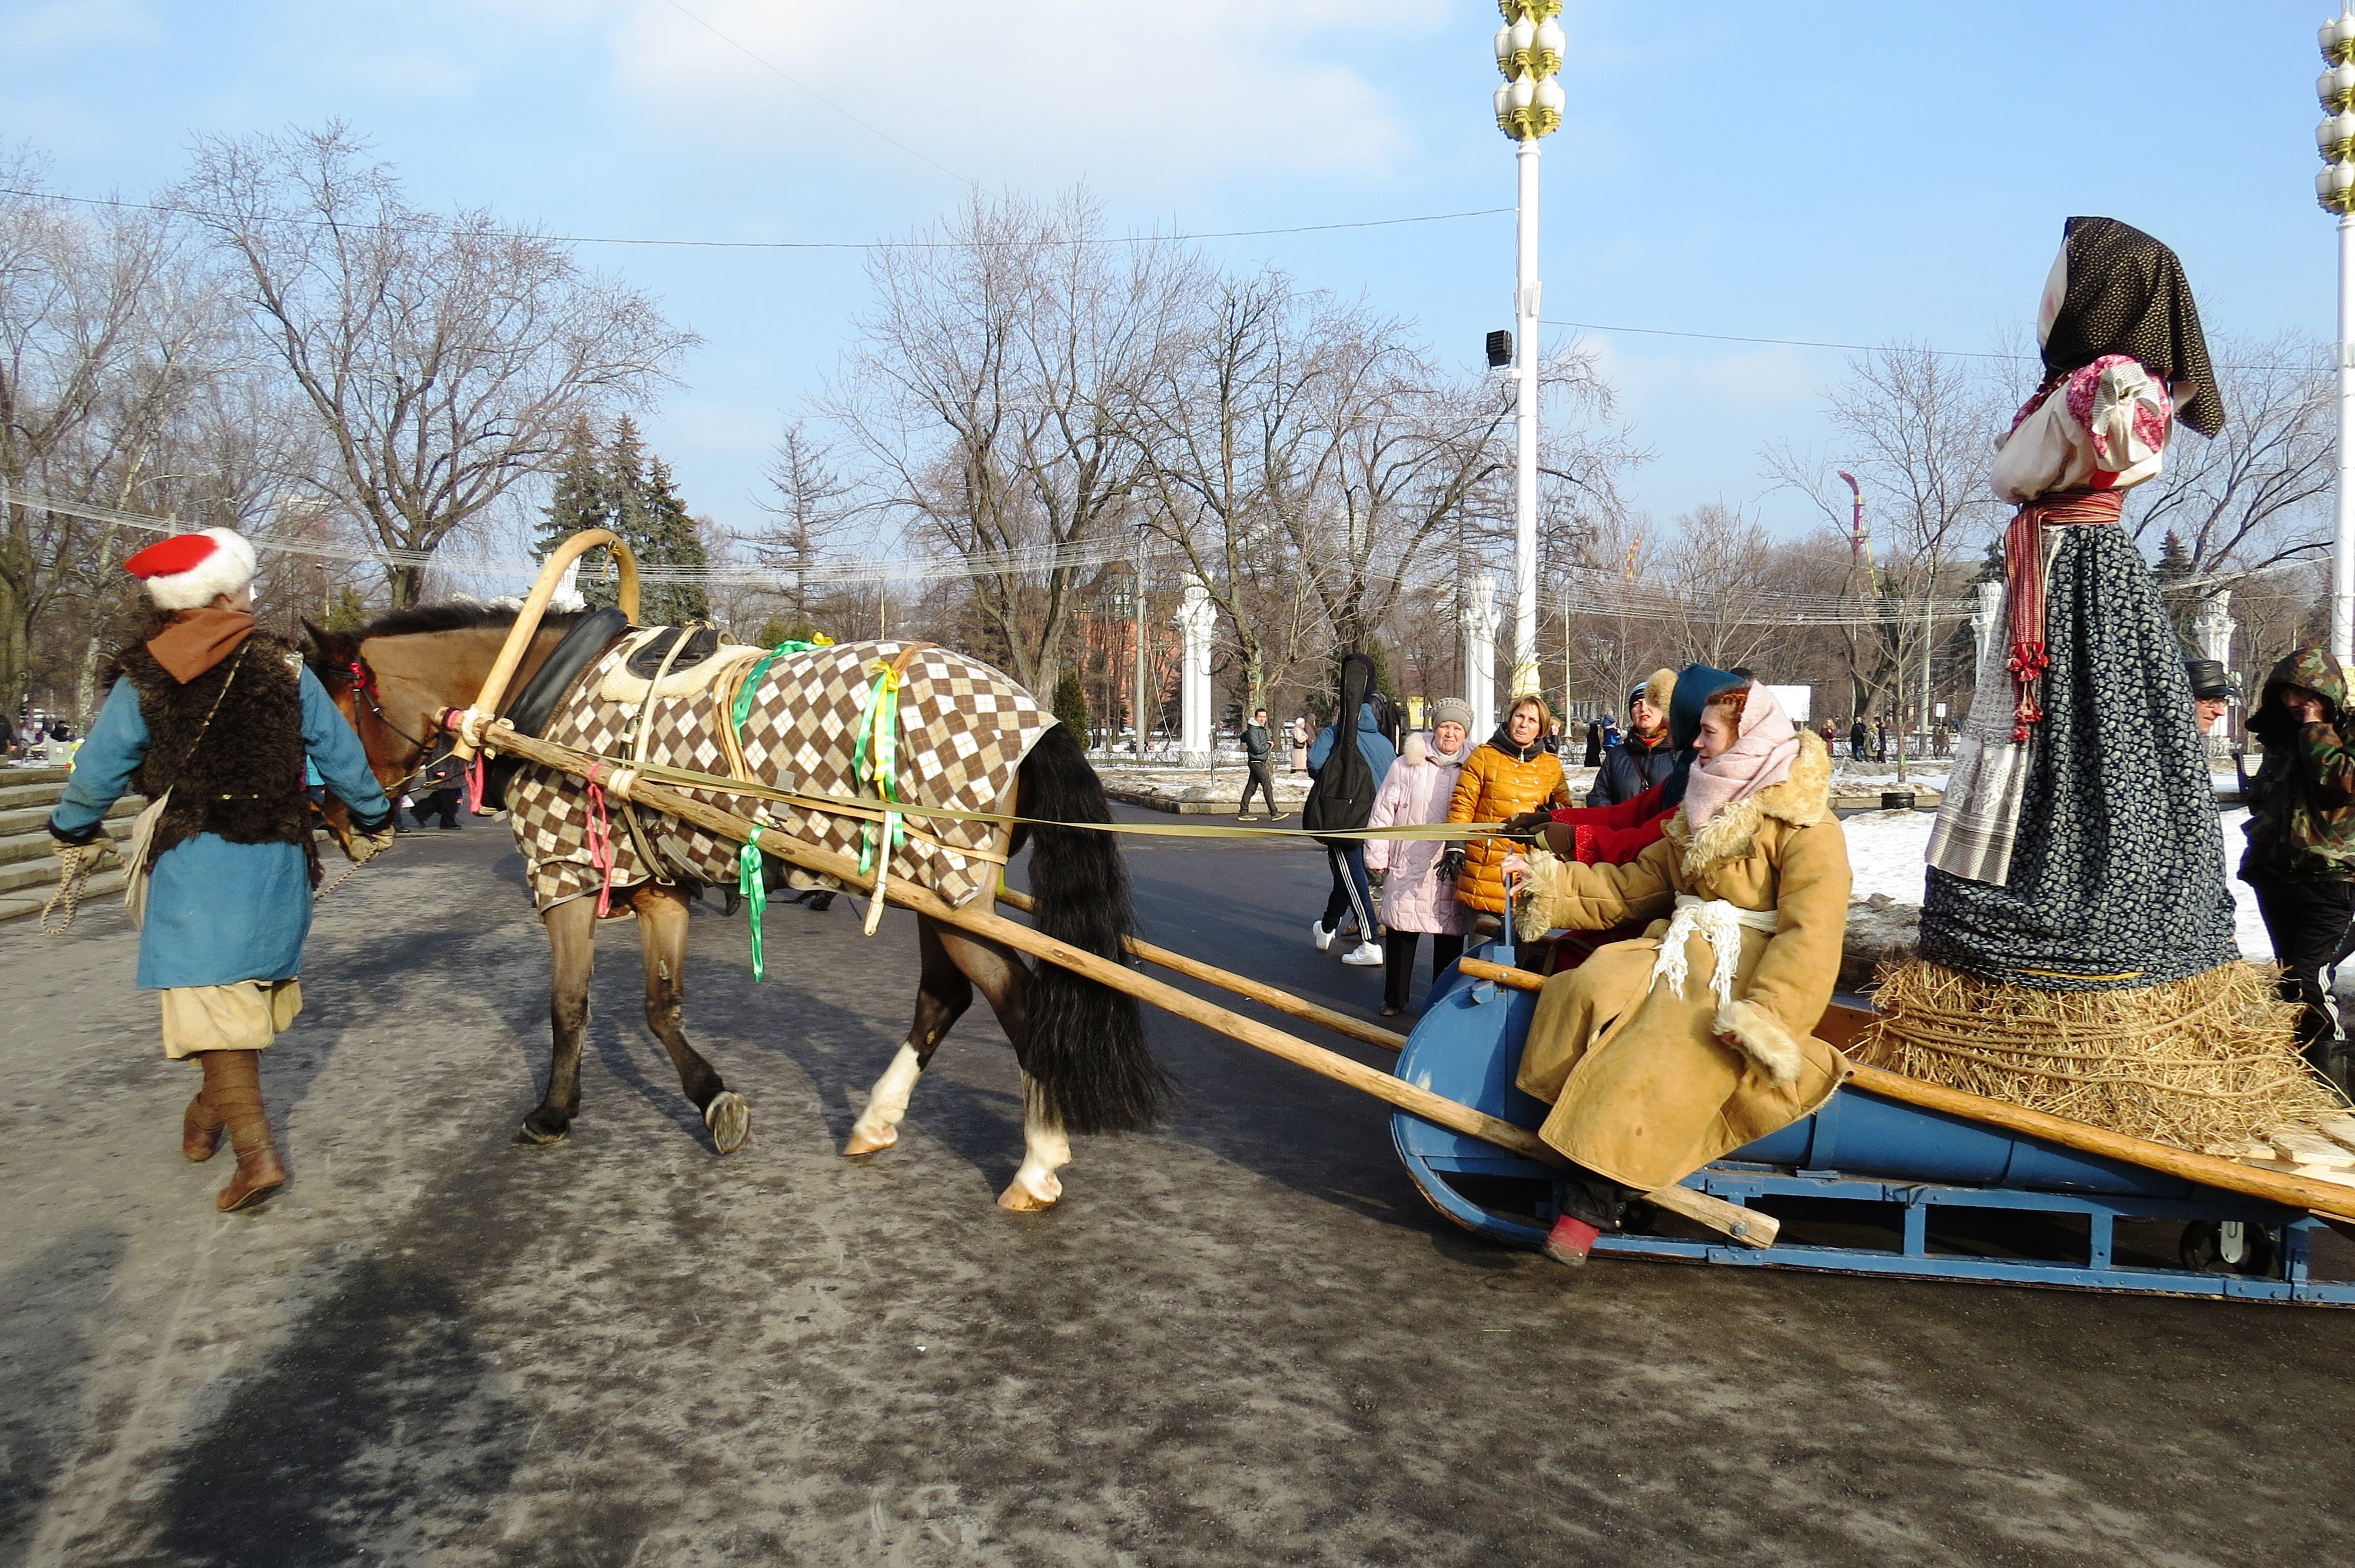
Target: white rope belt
[1720,924]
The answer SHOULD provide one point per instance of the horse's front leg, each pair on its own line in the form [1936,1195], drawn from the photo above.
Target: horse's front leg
[572,951]
[662,932]
[942,994]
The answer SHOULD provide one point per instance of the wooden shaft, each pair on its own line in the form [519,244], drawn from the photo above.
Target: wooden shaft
[1421,1102]
[2327,1198]
[1282,1001]
[534,605]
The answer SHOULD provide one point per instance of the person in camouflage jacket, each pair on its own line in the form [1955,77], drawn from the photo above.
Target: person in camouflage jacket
[2301,830]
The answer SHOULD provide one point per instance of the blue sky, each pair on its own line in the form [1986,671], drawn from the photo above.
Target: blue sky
[1823,169]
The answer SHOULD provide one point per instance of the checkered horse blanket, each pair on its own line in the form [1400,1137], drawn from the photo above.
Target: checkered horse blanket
[963,729]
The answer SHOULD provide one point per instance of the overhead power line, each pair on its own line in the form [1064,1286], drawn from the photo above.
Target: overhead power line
[183,210]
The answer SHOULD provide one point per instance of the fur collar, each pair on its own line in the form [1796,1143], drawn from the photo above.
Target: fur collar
[1802,799]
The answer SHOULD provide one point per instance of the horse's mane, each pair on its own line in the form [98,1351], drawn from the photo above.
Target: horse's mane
[462,615]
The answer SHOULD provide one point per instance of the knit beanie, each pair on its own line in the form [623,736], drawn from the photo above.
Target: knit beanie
[1452,710]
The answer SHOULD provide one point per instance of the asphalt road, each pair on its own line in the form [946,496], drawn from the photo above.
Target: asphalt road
[1243,1339]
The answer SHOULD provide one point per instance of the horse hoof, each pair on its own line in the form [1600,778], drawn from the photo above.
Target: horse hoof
[865,1142]
[535,1136]
[729,1119]
[1023,1201]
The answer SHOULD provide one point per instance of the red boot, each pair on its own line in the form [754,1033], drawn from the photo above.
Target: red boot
[1570,1241]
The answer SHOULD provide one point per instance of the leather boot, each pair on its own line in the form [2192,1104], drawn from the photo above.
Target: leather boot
[200,1127]
[233,1088]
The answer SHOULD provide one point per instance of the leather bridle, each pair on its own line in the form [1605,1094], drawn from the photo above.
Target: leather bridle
[364,690]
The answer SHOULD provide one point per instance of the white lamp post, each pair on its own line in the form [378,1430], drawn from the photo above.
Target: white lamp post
[1528,106]
[2335,186]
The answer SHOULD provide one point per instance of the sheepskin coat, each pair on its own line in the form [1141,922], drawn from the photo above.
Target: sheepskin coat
[1644,1090]
[1495,785]
[1417,789]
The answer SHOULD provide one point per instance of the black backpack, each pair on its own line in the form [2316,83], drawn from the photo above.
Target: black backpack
[1343,795]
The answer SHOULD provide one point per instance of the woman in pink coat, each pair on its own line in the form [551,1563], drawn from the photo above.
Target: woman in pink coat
[1416,897]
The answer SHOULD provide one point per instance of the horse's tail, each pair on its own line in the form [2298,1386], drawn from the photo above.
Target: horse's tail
[1086,1047]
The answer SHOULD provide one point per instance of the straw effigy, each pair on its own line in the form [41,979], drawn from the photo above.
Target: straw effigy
[2204,1061]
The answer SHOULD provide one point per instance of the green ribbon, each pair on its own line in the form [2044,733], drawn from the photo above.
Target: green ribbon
[753,681]
[755,889]
[878,767]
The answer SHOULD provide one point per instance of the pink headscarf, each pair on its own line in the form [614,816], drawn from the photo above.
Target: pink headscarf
[1759,758]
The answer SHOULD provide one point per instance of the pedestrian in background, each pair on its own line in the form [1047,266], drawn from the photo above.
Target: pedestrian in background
[1259,768]
[1348,769]
[1300,733]
[1508,774]
[1644,758]
[2211,692]
[1417,896]
[2301,830]
[1595,743]
[1857,735]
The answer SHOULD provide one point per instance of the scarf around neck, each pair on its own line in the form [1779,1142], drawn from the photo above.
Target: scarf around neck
[1503,741]
[196,639]
[1760,757]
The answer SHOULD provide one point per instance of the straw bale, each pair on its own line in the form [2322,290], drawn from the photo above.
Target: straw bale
[2211,1060]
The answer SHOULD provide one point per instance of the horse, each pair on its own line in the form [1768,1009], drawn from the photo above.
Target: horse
[1080,1043]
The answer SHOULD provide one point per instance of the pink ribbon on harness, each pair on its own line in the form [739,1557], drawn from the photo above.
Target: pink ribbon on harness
[599,831]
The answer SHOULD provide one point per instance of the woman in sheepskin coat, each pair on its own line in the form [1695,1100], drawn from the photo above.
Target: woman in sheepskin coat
[1659,1057]
[1416,896]
[1508,774]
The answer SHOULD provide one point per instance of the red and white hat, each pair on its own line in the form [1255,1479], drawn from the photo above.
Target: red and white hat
[187,570]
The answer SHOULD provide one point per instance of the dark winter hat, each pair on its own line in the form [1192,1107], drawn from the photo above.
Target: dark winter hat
[2209,679]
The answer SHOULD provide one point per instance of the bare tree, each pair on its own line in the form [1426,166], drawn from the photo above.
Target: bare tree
[996,391]
[811,507]
[442,359]
[2245,498]
[107,332]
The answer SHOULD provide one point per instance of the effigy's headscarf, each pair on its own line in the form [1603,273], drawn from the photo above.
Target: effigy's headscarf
[2124,293]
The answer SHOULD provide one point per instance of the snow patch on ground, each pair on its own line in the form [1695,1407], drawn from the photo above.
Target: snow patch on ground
[1885,850]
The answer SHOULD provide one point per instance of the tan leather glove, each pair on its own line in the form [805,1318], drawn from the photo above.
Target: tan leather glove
[88,857]
[364,847]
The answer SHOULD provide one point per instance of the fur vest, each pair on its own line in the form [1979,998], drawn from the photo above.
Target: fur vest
[240,778]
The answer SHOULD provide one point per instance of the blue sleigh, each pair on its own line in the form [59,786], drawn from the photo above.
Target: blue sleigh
[1866,1185]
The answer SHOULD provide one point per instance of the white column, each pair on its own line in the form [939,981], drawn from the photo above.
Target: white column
[1986,620]
[1526,293]
[1196,618]
[2342,560]
[1480,652]
[2214,626]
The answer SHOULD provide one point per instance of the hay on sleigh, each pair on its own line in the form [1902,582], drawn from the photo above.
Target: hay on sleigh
[2208,1060]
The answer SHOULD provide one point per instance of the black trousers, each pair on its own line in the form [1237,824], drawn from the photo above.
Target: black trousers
[1262,777]
[2309,924]
[1398,962]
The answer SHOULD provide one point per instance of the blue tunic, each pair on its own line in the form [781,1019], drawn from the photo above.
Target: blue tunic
[216,912]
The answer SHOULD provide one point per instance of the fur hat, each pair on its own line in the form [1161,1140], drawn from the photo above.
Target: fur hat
[1452,709]
[187,571]
[1659,689]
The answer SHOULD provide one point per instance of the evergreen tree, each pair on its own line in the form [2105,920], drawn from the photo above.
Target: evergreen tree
[582,499]
[1070,705]
[616,484]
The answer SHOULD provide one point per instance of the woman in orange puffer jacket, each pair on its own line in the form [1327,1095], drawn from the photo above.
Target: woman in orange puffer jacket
[1508,774]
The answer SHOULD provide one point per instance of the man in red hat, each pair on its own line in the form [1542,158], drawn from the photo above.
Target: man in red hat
[212,721]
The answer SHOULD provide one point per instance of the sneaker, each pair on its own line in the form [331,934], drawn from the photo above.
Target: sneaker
[1279,816]
[1320,936]
[1569,1242]
[1364,955]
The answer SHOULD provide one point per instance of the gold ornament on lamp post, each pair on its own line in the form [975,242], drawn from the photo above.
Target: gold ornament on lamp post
[2335,188]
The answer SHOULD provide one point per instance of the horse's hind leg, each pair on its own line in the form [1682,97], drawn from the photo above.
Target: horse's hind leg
[1006,981]
[942,994]
[572,951]
[662,932]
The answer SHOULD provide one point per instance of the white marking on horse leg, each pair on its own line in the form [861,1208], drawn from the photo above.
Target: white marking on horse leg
[1045,1150]
[878,1126]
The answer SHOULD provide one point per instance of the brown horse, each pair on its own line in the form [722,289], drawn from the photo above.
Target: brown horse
[1080,1044]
